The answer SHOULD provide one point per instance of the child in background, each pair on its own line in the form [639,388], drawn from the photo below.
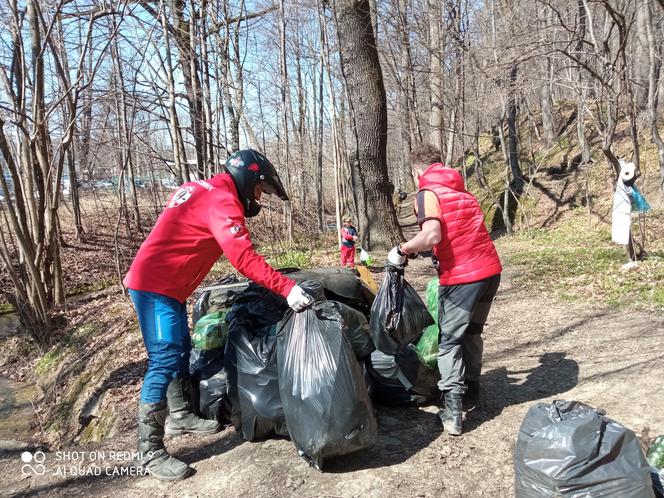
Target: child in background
[348,239]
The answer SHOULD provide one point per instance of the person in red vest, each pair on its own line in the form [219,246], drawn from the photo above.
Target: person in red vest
[451,222]
[202,220]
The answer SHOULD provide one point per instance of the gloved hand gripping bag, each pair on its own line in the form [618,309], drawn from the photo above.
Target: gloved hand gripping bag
[324,394]
[398,314]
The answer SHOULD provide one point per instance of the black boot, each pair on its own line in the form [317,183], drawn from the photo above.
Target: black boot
[181,418]
[473,396]
[452,414]
[152,454]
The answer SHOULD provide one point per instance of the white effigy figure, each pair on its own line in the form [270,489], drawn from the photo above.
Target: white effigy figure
[627,199]
[621,221]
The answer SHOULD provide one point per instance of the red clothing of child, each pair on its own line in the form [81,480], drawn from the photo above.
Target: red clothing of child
[348,238]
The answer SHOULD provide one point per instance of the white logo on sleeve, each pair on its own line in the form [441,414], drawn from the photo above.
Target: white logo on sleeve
[235,226]
[181,196]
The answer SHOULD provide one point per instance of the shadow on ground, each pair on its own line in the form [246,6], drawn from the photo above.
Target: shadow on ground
[502,387]
[402,432]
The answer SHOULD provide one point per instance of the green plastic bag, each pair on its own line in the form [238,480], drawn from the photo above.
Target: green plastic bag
[210,331]
[427,346]
[656,453]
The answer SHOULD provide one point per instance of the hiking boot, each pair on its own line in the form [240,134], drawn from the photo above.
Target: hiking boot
[181,418]
[151,452]
[451,415]
[473,396]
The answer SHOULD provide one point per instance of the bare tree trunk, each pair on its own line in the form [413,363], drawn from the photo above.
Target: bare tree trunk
[435,75]
[179,154]
[655,58]
[320,199]
[206,91]
[300,127]
[548,123]
[336,135]
[285,105]
[586,155]
[361,69]
[184,31]
[406,72]
[515,169]
[123,130]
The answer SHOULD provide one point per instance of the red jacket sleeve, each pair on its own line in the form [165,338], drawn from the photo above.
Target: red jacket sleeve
[226,222]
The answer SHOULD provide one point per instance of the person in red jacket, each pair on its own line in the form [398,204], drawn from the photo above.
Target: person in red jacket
[348,238]
[451,222]
[202,220]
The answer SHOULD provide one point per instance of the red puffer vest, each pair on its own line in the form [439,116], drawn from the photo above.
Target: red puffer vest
[466,252]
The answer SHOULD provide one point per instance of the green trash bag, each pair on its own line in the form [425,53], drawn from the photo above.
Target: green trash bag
[656,453]
[210,331]
[427,346]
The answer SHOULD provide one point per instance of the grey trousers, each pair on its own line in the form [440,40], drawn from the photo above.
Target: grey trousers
[462,313]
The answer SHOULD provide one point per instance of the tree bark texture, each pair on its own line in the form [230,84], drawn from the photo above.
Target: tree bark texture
[379,228]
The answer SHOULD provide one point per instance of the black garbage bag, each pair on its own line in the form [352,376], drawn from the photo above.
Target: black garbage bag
[258,306]
[327,407]
[204,363]
[401,379]
[218,297]
[213,398]
[339,284]
[209,398]
[251,364]
[398,315]
[569,449]
[253,385]
[356,328]
[657,477]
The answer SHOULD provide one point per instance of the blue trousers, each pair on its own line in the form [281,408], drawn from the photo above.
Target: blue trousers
[163,323]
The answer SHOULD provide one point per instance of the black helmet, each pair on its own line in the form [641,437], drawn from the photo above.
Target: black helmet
[248,168]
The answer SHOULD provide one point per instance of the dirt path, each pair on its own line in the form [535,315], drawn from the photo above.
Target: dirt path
[535,349]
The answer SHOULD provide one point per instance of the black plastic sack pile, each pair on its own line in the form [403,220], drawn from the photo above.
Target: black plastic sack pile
[322,387]
[398,314]
[218,297]
[209,398]
[339,284]
[569,449]
[251,364]
[401,379]
[356,329]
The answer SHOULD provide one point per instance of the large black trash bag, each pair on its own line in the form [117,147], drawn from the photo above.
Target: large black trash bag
[339,284]
[251,365]
[217,297]
[398,315]
[209,397]
[401,379]
[259,306]
[253,385]
[327,407]
[657,477]
[569,449]
[356,328]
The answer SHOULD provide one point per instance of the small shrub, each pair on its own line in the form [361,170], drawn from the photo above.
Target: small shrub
[292,259]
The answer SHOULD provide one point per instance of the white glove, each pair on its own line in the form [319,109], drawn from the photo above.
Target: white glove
[396,257]
[298,299]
